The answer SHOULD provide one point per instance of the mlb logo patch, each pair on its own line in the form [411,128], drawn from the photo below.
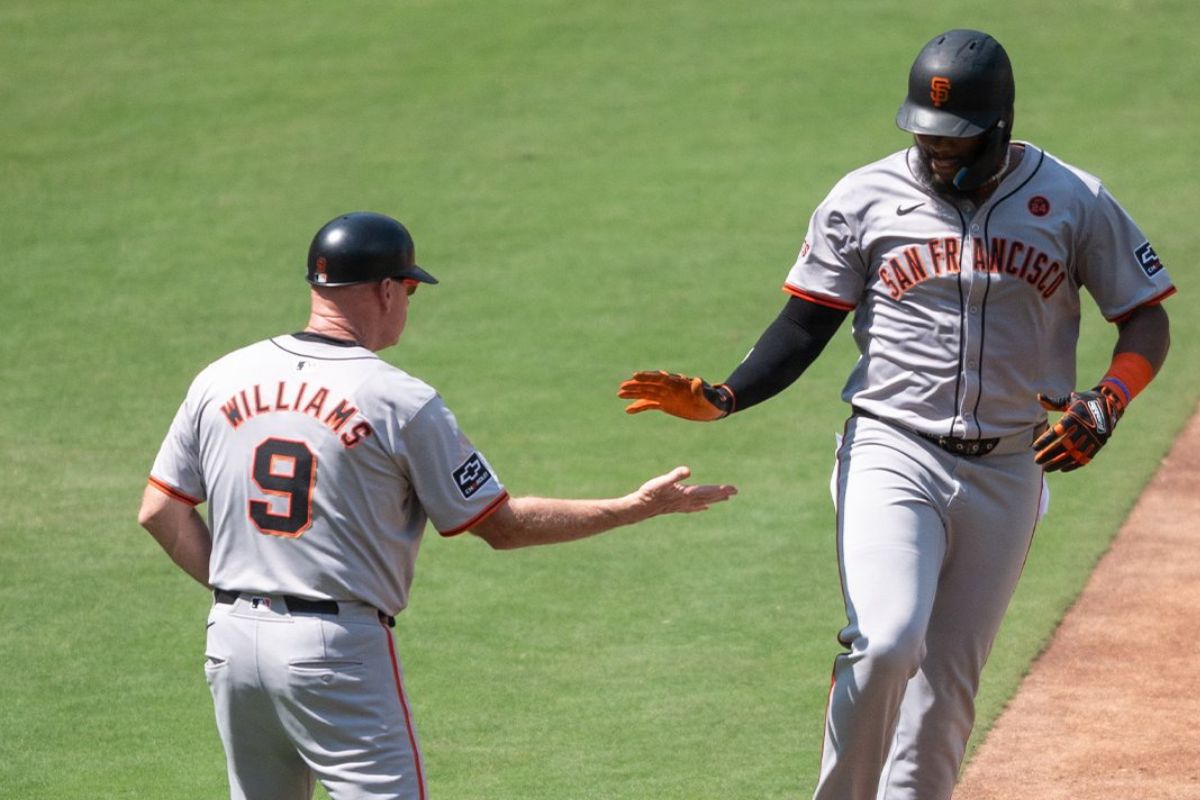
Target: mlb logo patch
[471,476]
[1148,259]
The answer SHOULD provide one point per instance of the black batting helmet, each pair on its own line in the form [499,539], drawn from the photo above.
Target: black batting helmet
[360,247]
[960,85]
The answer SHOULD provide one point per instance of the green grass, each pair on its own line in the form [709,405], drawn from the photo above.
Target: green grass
[601,187]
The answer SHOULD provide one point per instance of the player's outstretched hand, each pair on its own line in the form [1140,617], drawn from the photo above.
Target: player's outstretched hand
[1087,422]
[667,495]
[678,395]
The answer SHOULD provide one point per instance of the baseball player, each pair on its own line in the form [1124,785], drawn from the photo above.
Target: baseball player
[320,464]
[961,259]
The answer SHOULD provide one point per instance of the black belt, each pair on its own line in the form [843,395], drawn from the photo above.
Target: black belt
[951,444]
[299,605]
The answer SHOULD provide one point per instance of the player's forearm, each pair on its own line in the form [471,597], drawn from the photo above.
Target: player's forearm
[785,350]
[1147,332]
[1141,349]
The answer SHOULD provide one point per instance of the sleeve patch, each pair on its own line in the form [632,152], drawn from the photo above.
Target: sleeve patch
[1148,259]
[472,476]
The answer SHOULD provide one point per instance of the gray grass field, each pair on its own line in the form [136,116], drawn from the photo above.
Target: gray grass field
[602,187]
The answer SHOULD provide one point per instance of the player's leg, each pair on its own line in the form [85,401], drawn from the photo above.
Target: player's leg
[262,763]
[990,528]
[891,544]
[342,696]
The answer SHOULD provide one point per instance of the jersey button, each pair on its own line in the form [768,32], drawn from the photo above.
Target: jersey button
[974,309]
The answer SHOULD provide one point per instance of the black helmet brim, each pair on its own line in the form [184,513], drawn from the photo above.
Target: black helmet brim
[932,122]
[418,274]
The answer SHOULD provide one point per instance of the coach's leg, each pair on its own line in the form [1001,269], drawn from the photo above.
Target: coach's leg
[262,763]
[891,545]
[343,698]
[991,527]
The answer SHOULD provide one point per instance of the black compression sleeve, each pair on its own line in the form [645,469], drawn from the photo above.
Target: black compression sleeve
[784,351]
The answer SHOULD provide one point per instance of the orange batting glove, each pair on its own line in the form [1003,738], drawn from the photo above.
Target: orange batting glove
[1087,422]
[677,395]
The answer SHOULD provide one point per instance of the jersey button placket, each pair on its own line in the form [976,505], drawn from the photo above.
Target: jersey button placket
[975,286]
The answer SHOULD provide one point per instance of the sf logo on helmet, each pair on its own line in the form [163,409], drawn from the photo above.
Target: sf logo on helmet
[939,90]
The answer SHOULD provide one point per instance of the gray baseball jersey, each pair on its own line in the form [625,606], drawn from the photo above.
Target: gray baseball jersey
[963,315]
[321,464]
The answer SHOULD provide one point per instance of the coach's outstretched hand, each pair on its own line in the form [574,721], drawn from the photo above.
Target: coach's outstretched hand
[1087,422]
[678,395]
[666,495]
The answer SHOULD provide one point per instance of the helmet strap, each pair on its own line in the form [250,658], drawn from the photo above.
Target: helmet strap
[991,164]
[965,171]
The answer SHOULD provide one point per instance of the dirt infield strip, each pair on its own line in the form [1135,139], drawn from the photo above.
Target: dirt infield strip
[1112,708]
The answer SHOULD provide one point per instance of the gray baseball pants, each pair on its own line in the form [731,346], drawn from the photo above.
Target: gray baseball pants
[930,546]
[303,697]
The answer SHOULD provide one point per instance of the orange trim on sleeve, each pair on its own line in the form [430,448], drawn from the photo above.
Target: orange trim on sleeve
[828,302]
[172,492]
[480,517]
[1153,301]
